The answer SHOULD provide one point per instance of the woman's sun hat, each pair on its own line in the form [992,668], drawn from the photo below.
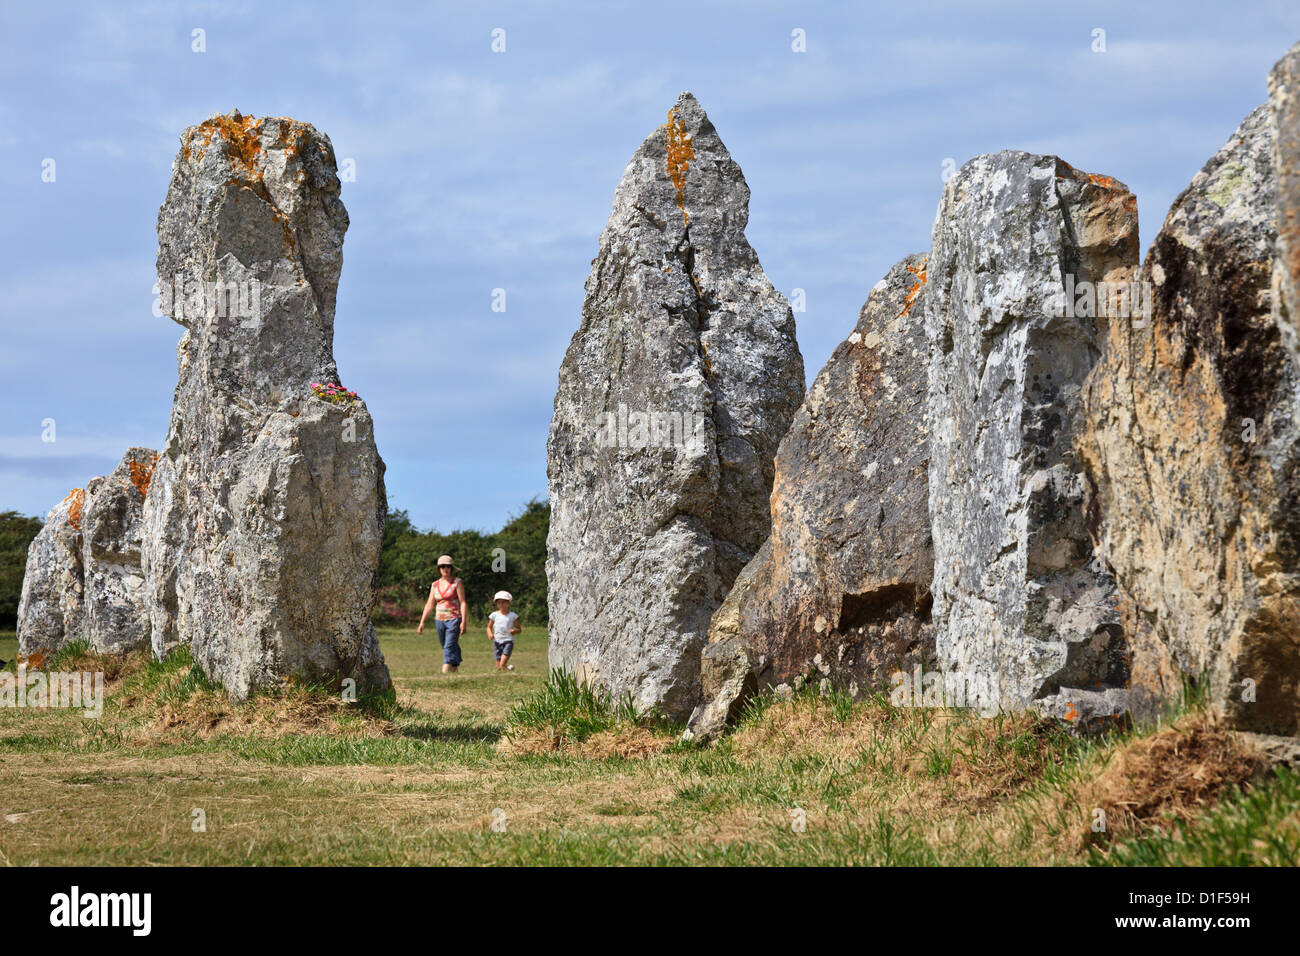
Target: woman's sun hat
[446,559]
[503,596]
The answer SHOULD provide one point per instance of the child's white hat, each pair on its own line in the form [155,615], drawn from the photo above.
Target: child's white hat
[503,596]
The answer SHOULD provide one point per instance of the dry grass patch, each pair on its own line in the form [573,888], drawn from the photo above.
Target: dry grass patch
[1019,787]
[173,703]
[1172,776]
[115,667]
[453,702]
[955,757]
[292,711]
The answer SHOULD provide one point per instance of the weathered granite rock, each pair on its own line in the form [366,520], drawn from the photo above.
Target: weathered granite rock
[727,680]
[111,527]
[270,570]
[672,398]
[1284,103]
[1193,438]
[1020,608]
[83,578]
[841,590]
[166,527]
[51,610]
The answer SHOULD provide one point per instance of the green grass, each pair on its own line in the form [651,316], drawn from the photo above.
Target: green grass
[565,708]
[423,778]
[1258,827]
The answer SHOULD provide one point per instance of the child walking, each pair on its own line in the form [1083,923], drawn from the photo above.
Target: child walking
[503,625]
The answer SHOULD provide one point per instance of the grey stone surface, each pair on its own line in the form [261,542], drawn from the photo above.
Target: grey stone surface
[165,525]
[1273,749]
[83,580]
[840,593]
[651,525]
[270,571]
[1087,711]
[116,620]
[51,610]
[1020,607]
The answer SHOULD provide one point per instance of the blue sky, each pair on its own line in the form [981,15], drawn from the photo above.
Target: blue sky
[478,170]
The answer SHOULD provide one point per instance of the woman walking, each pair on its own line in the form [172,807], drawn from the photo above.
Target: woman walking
[451,612]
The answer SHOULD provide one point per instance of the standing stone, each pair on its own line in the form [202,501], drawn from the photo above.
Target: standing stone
[1021,609]
[672,398]
[51,610]
[263,544]
[841,590]
[1193,437]
[111,526]
[83,580]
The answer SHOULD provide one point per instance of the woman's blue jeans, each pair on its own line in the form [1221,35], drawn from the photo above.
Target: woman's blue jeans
[449,638]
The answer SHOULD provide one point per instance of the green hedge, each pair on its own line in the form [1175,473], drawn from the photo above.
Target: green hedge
[16,533]
[409,564]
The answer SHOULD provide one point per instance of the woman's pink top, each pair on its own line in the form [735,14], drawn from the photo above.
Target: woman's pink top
[448,602]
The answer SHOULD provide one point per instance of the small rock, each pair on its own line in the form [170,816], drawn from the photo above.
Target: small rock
[116,617]
[51,610]
[1086,711]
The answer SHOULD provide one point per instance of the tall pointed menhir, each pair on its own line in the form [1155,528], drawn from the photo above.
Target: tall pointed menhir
[265,517]
[672,399]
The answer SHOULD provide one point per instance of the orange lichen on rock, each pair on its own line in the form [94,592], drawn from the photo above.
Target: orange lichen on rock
[142,474]
[1109,183]
[75,501]
[912,293]
[240,134]
[680,153]
[1105,182]
[35,661]
[1117,190]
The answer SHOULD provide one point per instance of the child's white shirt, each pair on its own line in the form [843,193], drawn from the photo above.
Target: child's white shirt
[502,624]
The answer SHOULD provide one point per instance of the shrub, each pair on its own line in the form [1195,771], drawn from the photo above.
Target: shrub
[16,534]
[409,565]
